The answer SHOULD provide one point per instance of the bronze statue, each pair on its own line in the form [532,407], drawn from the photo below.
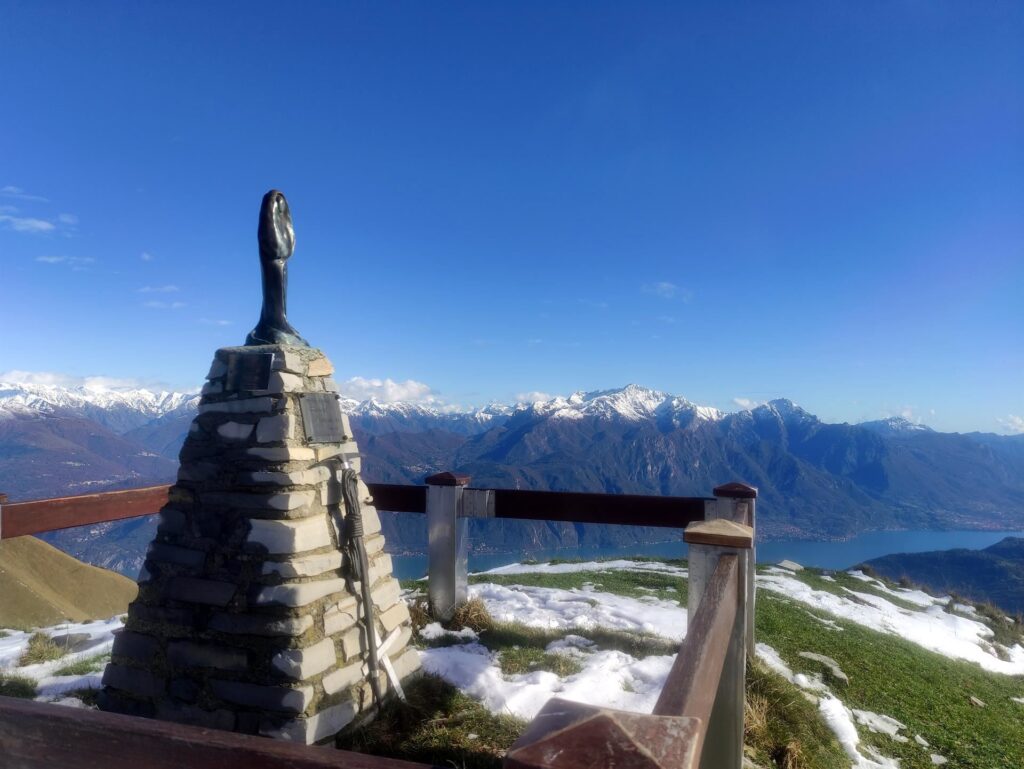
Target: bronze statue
[277,242]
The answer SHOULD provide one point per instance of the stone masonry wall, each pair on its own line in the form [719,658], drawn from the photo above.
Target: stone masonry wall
[244,620]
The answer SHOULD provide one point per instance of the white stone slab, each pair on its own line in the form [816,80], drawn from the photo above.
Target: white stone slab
[293,536]
[297,594]
[303,664]
[306,566]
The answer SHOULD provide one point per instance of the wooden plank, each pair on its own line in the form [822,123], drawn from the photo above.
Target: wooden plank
[20,518]
[693,681]
[398,498]
[35,735]
[575,507]
[719,532]
[572,735]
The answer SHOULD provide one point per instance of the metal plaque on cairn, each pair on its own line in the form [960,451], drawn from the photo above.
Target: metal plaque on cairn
[321,417]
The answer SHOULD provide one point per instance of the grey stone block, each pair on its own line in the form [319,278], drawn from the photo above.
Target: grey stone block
[283,454]
[342,678]
[280,501]
[235,431]
[185,689]
[324,724]
[212,388]
[257,624]
[306,566]
[295,595]
[285,360]
[301,664]
[135,646]
[275,429]
[264,405]
[171,521]
[198,471]
[217,369]
[182,556]
[133,680]
[205,591]
[280,698]
[198,655]
[290,536]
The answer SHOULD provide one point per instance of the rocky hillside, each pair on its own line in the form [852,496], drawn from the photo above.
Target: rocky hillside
[994,575]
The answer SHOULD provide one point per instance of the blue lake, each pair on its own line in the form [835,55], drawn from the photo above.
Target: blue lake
[827,555]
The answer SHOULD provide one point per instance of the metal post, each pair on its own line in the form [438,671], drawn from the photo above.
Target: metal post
[736,502]
[723,742]
[446,544]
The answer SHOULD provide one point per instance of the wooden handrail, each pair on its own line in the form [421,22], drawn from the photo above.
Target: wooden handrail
[692,683]
[20,518]
[33,517]
[36,735]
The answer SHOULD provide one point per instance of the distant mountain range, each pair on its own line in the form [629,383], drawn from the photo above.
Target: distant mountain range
[995,574]
[816,480]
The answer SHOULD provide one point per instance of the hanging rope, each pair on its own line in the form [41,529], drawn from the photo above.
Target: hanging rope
[361,572]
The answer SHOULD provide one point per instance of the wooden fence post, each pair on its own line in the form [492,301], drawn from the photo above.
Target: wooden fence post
[737,502]
[708,542]
[446,544]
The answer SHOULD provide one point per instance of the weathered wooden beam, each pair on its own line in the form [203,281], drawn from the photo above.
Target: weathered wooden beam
[576,507]
[571,735]
[693,680]
[20,518]
[35,735]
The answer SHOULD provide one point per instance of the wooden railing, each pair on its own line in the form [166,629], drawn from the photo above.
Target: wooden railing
[697,722]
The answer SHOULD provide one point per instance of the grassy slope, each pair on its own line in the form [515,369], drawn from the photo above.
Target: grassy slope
[40,585]
[926,691]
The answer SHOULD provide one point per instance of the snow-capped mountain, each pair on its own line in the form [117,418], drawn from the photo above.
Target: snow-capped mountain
[119,410]
[631,403]
[895,426]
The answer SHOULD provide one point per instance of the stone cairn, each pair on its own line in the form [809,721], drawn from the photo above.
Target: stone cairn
[247,617]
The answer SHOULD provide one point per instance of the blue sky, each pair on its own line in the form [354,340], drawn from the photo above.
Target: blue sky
[731,202]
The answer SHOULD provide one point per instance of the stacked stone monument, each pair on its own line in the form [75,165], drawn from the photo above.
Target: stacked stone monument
[248,616]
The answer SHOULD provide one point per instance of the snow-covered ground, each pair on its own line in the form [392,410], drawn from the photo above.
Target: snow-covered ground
[50,687]
[614,678]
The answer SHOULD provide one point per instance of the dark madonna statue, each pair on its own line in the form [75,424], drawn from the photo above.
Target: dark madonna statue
[277,242]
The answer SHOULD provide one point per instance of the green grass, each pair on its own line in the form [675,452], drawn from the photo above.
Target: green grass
[84,666]
[628,583]
[926,691]
[4,634]
[783,729]
[505,635]
[17,686]
[526,659]
[41,648]
[437,725]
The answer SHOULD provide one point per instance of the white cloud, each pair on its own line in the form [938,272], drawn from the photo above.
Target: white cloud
[215,322]
[390,391]
[662,288]
[10,191]
[169,288]
[76,263]
[26,224]
[146,256]
[1012,424]
[55,379]
[69,219]
[534,397]
[156,305]
[746,403]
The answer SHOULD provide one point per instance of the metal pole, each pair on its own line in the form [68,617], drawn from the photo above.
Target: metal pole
[447,544]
